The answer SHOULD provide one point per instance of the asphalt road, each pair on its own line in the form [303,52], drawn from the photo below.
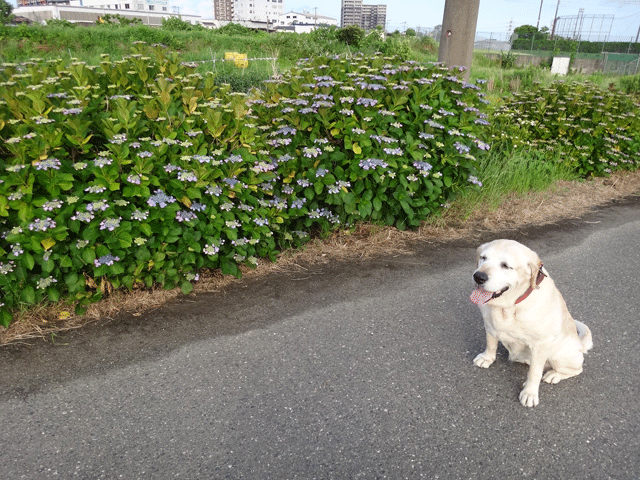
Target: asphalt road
[355,370]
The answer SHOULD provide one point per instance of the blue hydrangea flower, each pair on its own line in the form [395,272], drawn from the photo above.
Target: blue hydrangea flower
[367,102]
[135,179]
[474,180]
[7,267]
[183,216]
[461,147]
[110,224]
[160,199]
[45,282]
[210,250]
[51,205]
[106,260]
[372,163]
[213,190]
[42,225]
[424,167]
[83,216]
[48,164]
[298,203]
[102,162]
[139,215]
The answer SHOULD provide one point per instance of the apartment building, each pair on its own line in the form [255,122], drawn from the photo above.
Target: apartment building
[257,10]
[354,12]
[350,12]
[223,10]
[373,16]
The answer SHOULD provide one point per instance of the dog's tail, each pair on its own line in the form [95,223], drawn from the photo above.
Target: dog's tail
[585,336]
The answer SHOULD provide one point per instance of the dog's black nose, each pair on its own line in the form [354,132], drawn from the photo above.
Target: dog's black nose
[480,277]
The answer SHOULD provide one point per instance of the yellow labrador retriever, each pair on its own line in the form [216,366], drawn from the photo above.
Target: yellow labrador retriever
[523,309]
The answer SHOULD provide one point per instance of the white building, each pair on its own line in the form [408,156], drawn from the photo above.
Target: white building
[305,18]
[140,5]
[257,10]
[143,5]
[149,12]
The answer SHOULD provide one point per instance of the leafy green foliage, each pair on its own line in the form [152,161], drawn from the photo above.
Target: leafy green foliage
[117,20]
[142,171]
[5,12]
[176,23]
[507,60]
[631,84]
[351,35]
[597,131]
[56,22]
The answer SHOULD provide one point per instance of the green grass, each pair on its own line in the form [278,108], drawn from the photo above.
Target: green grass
[502,174]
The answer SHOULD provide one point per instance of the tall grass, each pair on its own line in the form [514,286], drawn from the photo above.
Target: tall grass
[503,173]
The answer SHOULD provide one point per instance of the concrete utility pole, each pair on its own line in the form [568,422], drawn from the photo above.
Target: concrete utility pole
[458,33]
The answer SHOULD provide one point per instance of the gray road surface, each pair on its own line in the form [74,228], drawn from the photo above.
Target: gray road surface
[355,370]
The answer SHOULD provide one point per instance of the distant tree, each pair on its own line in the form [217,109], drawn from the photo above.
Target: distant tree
[176,23]
[54,22]
[525,29]
[351,35]
[117,20]
[410,32]
[5,12]
[529,31]
[234,29]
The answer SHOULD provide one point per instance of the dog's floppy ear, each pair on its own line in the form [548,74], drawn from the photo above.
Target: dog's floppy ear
[535,266]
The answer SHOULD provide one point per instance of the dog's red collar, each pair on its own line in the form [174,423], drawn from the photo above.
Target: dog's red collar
[539,279]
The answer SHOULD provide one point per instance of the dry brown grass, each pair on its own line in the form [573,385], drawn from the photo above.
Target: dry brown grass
[564,200]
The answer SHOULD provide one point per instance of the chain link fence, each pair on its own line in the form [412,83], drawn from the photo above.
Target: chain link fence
[618,56]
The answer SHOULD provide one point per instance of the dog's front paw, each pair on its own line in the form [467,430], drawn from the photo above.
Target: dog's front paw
[484,360]
[529,398]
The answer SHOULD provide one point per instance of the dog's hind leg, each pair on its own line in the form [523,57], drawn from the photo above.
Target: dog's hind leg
[564,367]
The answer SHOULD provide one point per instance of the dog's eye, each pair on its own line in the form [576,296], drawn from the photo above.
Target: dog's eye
[483,258]
[505,266]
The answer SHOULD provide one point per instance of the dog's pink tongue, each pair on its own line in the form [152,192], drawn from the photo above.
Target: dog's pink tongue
[480,296]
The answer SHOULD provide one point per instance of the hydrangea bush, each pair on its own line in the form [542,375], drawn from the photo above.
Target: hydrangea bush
[141,171]
[597,131]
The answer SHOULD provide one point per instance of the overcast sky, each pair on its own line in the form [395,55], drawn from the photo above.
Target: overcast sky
[494,15]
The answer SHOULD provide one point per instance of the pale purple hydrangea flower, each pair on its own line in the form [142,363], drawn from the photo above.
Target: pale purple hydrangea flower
[106,260]
[160,199]
[49,163]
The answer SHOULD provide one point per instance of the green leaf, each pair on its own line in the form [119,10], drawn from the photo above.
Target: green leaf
[53,294]
[28,295]
[25,212]
[186,287]
[5,318]
[365,208]
[146,229]
[48,266]
[88,255]
[28,261]
[65,261]
[230,268]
